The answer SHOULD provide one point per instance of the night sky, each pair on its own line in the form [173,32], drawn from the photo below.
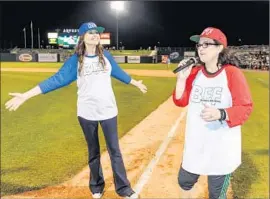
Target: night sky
[142,24]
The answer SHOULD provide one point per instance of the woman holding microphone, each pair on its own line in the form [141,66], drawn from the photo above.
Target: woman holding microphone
[219,103]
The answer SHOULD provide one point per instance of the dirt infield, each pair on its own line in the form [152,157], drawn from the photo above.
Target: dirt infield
[151,164]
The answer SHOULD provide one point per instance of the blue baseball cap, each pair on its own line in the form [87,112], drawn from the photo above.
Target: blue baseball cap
[89,26]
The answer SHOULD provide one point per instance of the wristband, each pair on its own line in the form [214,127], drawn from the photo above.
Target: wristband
[222,114]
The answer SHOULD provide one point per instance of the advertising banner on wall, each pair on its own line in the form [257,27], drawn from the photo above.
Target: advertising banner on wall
[46,57]
[119,59]
[134,59]
[26,57]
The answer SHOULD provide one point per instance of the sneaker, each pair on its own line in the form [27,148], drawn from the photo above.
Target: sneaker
[133,196]
[97,195]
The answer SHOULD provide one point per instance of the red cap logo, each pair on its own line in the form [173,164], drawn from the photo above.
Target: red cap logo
[216,34]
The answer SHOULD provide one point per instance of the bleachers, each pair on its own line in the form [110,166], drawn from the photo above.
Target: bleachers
[252,56]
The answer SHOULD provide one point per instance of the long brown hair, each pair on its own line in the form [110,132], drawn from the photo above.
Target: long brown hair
[80,51]
[226,56]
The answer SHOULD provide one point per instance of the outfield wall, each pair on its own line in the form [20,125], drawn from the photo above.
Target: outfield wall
[7,57]
[54,57]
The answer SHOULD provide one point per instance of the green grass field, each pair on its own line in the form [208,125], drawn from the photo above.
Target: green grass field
[42,143]
[58,65]
[251,180]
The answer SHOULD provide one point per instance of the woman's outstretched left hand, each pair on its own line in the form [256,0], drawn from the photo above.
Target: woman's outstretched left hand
[139,85]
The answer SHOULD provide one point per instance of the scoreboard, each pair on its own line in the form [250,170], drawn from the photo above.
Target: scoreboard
[65,40]
[68,38]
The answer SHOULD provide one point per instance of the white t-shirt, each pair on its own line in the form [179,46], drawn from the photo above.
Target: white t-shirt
[214,148]
[96,99]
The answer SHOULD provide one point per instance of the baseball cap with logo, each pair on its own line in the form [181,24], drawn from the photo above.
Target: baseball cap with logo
[90,26]
[211,33]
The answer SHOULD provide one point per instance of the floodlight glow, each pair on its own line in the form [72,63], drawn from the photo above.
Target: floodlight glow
[117,5]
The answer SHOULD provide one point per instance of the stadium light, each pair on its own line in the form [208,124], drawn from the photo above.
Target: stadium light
[118,6]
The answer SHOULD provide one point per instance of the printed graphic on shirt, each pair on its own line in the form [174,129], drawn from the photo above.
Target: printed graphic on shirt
[212,95]
[94,68]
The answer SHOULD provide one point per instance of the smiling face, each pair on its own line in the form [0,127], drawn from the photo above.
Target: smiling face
[92,37]
[208,50]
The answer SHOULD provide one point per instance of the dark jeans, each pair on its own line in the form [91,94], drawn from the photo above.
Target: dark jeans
[217,184]
[96,182]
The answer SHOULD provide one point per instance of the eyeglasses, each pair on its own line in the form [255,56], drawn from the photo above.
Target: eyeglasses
[92,32]
[205,45]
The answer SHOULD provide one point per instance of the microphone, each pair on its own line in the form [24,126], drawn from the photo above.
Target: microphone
[193,60]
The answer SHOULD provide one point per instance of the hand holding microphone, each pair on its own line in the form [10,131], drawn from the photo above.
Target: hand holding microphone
[184,67]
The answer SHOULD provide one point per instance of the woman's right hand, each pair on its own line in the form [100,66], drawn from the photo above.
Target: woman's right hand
[17,100]
[183,74]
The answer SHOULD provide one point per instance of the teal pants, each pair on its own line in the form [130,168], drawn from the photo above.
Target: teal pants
[217,184]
